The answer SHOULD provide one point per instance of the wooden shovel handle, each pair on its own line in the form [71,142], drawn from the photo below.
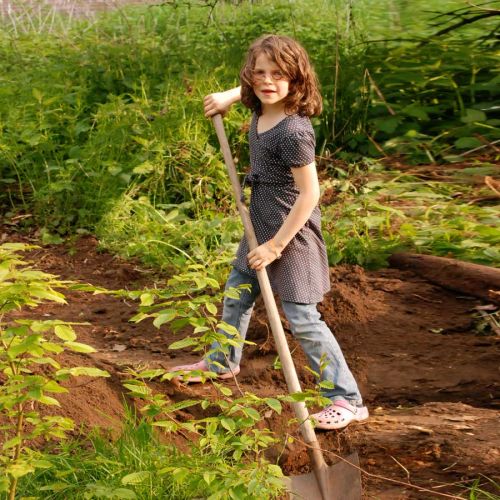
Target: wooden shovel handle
[272,311]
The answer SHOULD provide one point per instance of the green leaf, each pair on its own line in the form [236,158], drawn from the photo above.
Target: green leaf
[141,390]
[65,332]
[165,316]
[4,485]
[173,214]
[78,371]
[252,413]
[232,293]
[11,443]
[47,400]
[53,386]
[144,168]
[208,476]
[275,470]
[201,329]
[274,404]
[37,94]
[42,464]
[179,323]
[78,347]
[492,253]
[225,390]
[46,361]
[147,299]
[101,491]
[467,143]
[327,384]
[124,494]
[136,477]
[19,469]
[52,347]
[181,405]
[473,115]
[388,125]
[57,486]
[211,308]
[166,425]
[139,317]
[180,474]
[185,342]
[230,329]
[152,373]
[416,111]
[228,424]
[50,238]
[46,294]
[17,247]
[25,346]
[4,270]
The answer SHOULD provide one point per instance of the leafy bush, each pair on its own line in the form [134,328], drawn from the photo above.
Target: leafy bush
[139,465]
[108,116]
[30,371]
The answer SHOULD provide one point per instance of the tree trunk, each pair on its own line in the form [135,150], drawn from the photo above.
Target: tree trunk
[470,279]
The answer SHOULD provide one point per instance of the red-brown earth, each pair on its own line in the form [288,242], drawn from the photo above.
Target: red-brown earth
[429,378]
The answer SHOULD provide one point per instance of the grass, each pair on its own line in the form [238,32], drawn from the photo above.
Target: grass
[480,487]
[108,136]
[138,465]
[376,211]
[383,211]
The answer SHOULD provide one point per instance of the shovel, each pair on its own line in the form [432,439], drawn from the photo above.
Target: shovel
[341,481]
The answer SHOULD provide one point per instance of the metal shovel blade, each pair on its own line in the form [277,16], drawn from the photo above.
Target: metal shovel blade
[344,482]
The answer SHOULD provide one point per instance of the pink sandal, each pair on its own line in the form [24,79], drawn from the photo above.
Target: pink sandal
[339,415]
[201,366]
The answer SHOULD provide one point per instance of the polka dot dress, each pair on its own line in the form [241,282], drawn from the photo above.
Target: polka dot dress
[301,275]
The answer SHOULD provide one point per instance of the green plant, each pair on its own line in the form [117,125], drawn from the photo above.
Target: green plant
[139,464]
[97,467]
[232,440]
[383,211]
[30,372]
[484,488]
[111,106]
[166,236]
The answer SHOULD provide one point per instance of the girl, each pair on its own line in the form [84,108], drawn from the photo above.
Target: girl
[279,85]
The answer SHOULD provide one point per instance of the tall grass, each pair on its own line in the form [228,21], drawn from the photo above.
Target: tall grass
[139,465]
[108,110]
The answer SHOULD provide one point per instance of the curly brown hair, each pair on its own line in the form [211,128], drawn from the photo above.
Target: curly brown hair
[304,97]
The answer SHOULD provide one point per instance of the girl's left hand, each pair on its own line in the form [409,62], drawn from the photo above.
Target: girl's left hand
[261,257]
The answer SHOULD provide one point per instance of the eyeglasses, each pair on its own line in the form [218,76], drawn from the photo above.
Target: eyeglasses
[260,75]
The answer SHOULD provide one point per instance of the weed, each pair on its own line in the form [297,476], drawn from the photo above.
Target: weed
[28,351]
[111,107]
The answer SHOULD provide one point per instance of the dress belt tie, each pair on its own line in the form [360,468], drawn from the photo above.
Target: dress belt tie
[254,179]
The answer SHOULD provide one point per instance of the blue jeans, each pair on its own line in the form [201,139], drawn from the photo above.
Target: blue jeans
[313,334]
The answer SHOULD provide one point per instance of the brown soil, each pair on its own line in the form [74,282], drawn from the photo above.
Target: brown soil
[428,377]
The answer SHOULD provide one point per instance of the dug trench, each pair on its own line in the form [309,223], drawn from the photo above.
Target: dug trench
[428,374]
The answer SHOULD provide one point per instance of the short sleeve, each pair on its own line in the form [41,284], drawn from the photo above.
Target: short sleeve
[298,148]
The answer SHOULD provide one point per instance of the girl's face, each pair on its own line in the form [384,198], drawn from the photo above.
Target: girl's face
[269,84]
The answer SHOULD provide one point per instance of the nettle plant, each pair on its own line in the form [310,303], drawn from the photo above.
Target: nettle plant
[233,436]
[29,371]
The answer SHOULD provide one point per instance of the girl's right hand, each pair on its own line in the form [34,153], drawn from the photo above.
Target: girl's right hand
[214,104]
[220,102]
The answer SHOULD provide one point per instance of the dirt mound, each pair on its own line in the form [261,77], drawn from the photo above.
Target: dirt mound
[428,376]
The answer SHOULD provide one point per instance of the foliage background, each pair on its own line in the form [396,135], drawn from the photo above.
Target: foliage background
[102,128]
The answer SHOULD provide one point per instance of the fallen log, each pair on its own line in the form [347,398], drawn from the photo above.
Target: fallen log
[464,277]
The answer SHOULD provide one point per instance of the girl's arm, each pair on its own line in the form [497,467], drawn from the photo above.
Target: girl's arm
[306,179]
[220,102]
